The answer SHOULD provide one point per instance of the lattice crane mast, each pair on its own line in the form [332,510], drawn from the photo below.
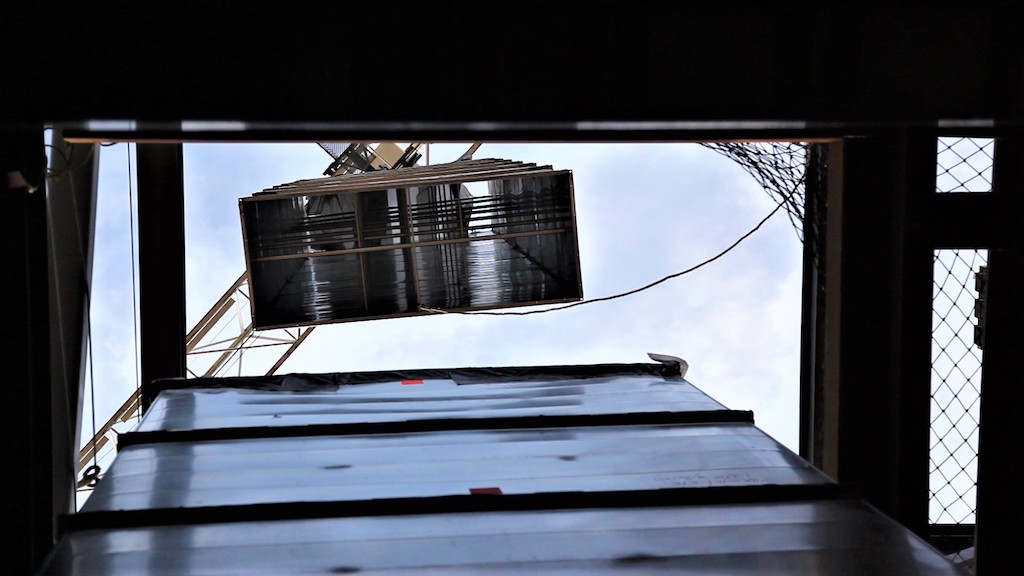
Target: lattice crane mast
[226,333]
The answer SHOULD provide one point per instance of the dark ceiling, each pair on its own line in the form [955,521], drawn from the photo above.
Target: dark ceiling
[527,71]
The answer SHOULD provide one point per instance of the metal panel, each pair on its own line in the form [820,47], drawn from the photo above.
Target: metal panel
[822,537]
[426,399]
[528,470]
[71,197]
[364,467]
[411,241]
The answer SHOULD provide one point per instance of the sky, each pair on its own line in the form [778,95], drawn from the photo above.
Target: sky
[644,211]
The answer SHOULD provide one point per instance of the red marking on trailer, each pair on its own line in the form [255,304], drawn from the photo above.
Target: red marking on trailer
[488,490]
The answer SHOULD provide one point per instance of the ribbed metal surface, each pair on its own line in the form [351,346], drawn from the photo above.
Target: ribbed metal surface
[364,467]
[389,243]
[530,470]
[806,538]
[434,399]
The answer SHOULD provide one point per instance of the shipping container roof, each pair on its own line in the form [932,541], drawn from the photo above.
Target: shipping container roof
[624,468]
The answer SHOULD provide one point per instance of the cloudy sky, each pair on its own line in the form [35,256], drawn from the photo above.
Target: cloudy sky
[644,211]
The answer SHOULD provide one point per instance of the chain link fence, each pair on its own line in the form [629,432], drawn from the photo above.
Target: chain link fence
[956,387]
[779,167]
[963,165]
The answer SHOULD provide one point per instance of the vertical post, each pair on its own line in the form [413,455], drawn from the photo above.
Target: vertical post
[71,201]
[810,334]
[882,383]
[826,418]
[999,530]
[27,509]
[161,260]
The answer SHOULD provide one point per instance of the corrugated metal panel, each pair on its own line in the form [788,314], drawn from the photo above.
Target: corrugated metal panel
[407,241]
[362,467]
[433,398]
[761,539]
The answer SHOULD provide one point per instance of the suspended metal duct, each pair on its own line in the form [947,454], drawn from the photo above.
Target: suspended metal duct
[407,241]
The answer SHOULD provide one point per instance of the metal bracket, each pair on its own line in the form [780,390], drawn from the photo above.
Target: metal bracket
[671,360]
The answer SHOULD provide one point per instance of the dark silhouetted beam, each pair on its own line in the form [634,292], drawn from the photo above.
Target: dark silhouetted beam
[1000,458]
[28,509]
[161,260]
[883,381]
[537,70]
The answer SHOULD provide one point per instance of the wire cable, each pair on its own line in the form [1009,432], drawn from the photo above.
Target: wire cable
[784,202]
[69,166]
[135,313]
[94,471]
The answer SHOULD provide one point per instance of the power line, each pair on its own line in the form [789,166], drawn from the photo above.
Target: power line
[783,203]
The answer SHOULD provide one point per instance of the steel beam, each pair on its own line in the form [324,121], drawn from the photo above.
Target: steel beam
[436,425]
[46,236]
[161,260]
[27,510]
[812,314]
[815,67]
[759,494]
[881,385]
[71,197]
[1000,458]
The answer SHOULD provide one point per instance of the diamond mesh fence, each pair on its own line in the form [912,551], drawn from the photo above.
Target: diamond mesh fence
[956,387]
[962,165]
[779,167]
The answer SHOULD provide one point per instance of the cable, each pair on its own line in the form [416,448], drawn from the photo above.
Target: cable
[135,318]
[782,204]
[68,167]
[780,168]
[92,386]
[93,472]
